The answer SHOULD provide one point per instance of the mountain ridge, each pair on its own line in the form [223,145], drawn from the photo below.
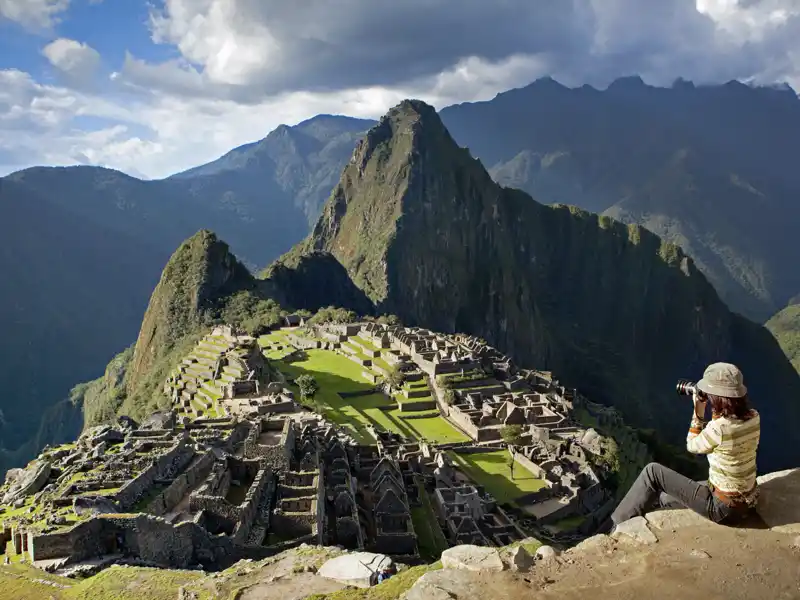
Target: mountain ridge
[613,147]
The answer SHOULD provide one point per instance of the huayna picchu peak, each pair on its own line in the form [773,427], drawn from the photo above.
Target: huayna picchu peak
[426,233]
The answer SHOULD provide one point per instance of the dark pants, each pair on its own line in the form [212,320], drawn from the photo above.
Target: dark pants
[659,487]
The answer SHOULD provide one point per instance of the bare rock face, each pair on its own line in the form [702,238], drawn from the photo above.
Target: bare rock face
[472,558]
[13,474]
[30,481]
[778,505]
[160,420]
[635,529]
[93,505]
[442,585]
[519,559]
[358,569]
[546,553]
[672,520]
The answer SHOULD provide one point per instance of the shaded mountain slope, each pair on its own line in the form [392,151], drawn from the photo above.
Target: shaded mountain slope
[161,214]
[421,227]
[709,168]
[64,308]
[298,165]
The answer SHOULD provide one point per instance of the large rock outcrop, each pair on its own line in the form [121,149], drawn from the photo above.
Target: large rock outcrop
[612,309]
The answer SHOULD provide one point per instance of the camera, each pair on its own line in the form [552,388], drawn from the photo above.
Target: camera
[685,387]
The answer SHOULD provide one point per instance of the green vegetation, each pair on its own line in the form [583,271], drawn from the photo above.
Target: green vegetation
[569,522]
[335,374]
[511,434]
[308,386]
[253,314]
[449,397]
[332,314]
[22,582]
[785,326]
[102,397]
[492,471]
[430,539]
[447,380]
[395,377]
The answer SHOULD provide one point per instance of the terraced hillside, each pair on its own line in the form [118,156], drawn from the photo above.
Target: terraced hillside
[348,369]
[198,379]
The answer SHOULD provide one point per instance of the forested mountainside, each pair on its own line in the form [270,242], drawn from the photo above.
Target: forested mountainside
[65,309]
[785,326]
[707,167]
[424,231]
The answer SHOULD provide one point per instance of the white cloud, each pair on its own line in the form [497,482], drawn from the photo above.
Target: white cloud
[33,14]
[246,66]
[78,62]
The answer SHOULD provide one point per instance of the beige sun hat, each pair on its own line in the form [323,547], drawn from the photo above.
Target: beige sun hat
[723,379]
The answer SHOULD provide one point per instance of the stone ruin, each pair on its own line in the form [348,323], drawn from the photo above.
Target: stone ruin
[237,469]
[227,374]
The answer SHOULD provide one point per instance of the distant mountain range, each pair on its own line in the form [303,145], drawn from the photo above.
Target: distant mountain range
[708,167]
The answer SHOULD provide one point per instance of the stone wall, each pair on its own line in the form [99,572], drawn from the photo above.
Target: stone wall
[146,537]
[294,524]
[396,544]
[463,421]
[248,510]
[170,497]
[276,456]
[529,465]
[163,467]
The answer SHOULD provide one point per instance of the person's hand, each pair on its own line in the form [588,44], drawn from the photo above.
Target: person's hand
[699,405]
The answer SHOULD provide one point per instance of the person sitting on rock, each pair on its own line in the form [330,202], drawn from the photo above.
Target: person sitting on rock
[730,440]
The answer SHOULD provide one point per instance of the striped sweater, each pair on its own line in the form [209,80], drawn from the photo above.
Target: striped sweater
[731,446]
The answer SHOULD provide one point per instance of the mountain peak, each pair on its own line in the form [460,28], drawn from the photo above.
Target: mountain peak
[200,271]
[403,128]
[628,83]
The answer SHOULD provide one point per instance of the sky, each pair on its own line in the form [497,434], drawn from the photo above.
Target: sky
[153,87]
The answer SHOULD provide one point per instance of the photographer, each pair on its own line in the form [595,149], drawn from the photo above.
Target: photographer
[730,440]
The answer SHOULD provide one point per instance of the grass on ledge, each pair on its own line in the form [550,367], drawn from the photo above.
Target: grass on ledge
[491,470]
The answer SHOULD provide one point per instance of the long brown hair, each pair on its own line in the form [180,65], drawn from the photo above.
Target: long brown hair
[732,408]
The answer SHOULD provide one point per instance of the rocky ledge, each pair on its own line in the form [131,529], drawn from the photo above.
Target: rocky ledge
[664,553]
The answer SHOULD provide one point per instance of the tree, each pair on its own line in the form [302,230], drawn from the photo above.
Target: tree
[444,382]
[395,378]
[391,320]
[308,386]
[512,435]
[449,397]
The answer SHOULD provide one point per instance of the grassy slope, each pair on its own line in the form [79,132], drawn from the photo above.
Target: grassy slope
[22,582]
[336,373]
[492,470]
[785,326]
